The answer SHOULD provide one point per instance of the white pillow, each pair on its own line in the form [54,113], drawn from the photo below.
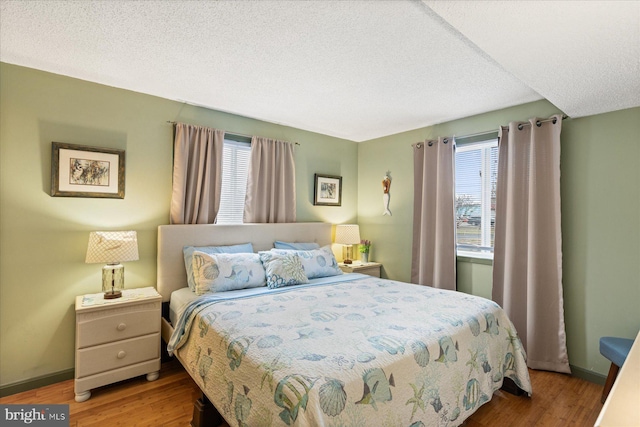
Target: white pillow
[187,252]
[226,272]
[283,269]
[317,263]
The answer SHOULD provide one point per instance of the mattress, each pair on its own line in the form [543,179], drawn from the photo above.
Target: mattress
[179,300]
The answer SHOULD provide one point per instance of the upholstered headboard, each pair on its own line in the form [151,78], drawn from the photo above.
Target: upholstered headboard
[172,238]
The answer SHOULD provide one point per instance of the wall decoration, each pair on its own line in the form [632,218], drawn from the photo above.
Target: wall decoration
[327,190]
[85,171]
[386,186]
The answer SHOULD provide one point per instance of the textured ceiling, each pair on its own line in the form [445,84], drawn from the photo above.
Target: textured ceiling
[351,69]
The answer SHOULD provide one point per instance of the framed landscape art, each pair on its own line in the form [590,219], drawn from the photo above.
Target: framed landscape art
[85,171]
[327,190]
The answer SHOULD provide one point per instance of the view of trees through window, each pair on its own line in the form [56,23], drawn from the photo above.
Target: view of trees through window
[475,204]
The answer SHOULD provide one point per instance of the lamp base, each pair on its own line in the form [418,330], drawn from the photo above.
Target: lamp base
[112,294]
[347,254]
[112,280]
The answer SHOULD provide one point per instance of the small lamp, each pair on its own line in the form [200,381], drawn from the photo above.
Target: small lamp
[348,235]
[112,247]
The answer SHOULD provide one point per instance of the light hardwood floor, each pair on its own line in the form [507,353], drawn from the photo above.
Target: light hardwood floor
[558,400]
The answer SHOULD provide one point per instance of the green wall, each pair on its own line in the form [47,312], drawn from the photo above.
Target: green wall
[43,239]
[392,235]
[600,190]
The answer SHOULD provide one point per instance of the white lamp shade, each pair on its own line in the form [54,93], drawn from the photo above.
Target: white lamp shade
[112,247]
[348,234]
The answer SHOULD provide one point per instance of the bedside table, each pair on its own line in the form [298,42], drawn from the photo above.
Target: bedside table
[370,268]
[116,339]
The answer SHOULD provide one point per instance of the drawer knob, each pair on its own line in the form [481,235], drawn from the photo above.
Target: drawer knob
[122,354]
[122,326]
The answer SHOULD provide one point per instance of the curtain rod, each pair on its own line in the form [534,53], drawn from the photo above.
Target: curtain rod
[564,117]
[538,122]
[231,133]
[487,132]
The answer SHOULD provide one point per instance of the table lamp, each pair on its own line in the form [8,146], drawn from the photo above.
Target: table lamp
[112,248]
[348,235]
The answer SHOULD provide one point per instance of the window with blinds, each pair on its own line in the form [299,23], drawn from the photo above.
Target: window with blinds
[475,204]
[235,168]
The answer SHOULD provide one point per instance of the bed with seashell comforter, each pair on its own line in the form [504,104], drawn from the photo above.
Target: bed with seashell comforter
[351,350]
[341,350]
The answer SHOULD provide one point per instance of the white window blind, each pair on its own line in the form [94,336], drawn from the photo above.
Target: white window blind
[476,178]
[235,168]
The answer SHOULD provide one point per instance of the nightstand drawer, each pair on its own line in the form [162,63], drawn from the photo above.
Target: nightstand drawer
[106,357]
[374,270]
[94,328]
[369,268]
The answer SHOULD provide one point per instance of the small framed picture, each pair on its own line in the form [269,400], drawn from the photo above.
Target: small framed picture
[327,190]
[84,171]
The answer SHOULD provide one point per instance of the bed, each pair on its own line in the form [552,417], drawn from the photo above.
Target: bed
[345,349]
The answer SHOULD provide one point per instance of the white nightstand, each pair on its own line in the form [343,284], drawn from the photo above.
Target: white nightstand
[116,339]
[370,268]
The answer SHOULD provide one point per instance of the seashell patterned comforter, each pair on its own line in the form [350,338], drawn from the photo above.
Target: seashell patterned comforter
[365,352]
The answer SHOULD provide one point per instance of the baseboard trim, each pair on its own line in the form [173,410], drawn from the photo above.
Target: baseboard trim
[44,380]
[585,374]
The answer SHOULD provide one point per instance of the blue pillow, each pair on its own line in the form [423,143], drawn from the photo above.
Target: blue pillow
[226,272]
[295,246]
[187,251]
[316,262]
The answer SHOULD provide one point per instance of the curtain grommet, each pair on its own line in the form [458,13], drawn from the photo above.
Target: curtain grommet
[538,123]
[430,143]
[446,140]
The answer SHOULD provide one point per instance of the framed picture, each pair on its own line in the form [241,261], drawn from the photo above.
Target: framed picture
[327,190]
[84,171]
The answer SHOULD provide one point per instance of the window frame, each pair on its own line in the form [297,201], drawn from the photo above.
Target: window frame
[484,143]
[236,141]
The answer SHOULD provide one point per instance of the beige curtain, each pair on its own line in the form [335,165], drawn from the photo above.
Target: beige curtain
[527,265]
[271,185]
[197,174]
[434,242]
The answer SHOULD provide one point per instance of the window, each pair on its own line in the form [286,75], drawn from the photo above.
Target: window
[475,204]
[235,168]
